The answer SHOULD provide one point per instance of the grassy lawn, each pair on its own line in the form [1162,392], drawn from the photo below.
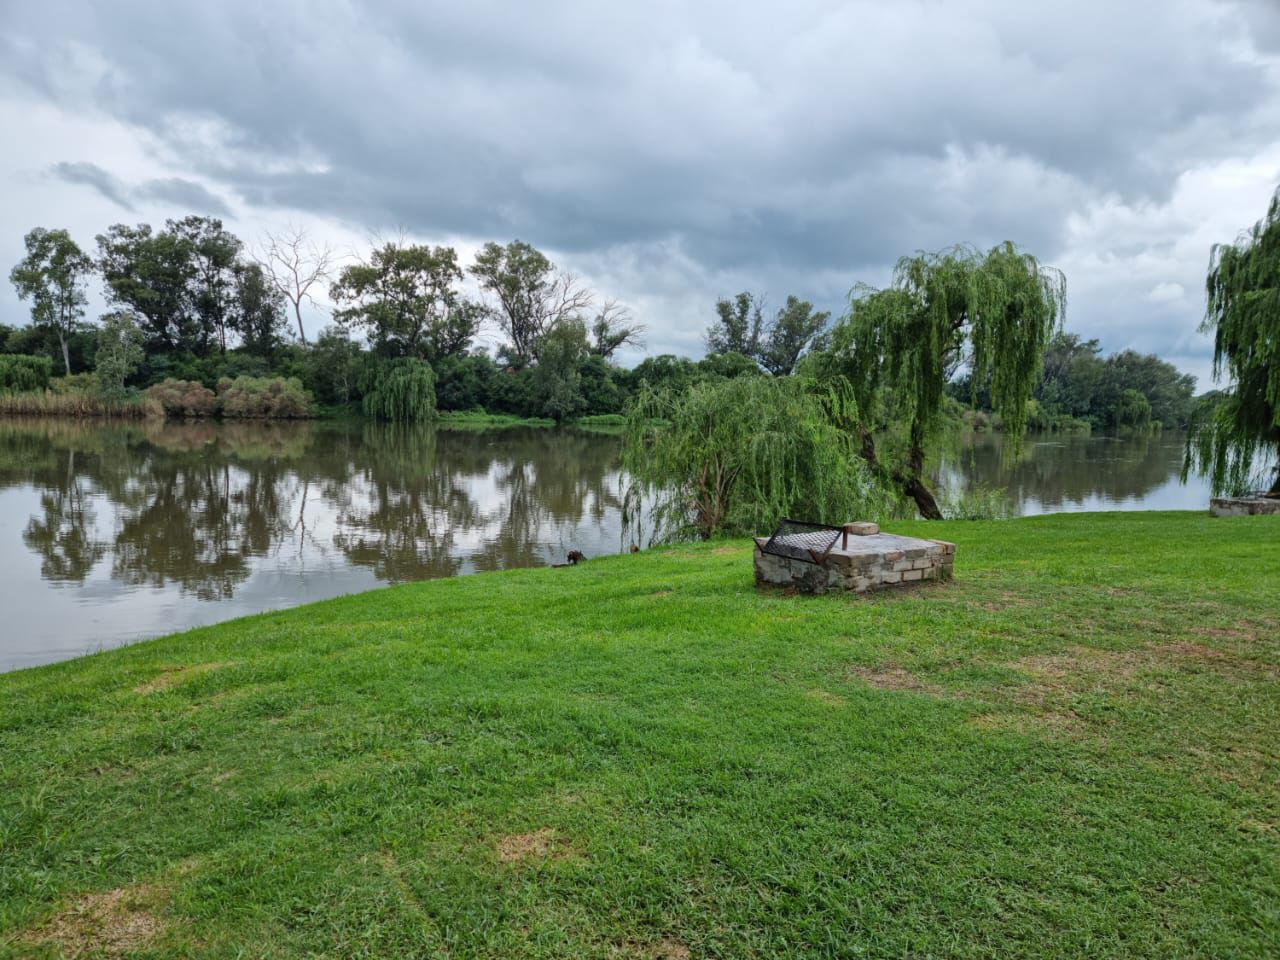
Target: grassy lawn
[1071,750]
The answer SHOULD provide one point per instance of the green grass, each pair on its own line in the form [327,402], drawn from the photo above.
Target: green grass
[1069,751]
[479,420]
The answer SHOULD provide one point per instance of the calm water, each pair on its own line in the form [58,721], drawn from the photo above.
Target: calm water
[113,533]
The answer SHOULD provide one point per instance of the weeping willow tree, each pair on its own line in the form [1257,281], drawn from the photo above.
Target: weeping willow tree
[1240,426]
[993,311]
[401,389]
[732,457]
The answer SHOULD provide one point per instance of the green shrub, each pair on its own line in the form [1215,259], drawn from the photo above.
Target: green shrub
[75,383]
[274,398]
[402,389]
[20,373]
[184,398]
[733,457]
[978,502]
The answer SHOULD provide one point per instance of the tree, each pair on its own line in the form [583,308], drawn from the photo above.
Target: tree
[793,330]
[214,255]
[730,457]
[533,296]
[738,327]
[1229,436]
[53,275]
[295,267]
[557,376]
[399,389]
[257,313]
[612,328]
[898,345]
[119,352]
[406,297]
[148,274]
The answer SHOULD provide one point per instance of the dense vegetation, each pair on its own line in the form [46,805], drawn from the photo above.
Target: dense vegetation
[191,302]
[1069,752]
[1237,430]
[1078,389]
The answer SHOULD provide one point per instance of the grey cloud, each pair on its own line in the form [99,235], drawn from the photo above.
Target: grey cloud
[92,175]
[176,191]
[773,150]
[182,193]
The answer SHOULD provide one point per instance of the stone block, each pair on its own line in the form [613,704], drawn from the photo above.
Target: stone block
[913,575]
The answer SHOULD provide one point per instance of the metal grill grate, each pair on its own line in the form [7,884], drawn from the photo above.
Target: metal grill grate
[810,542]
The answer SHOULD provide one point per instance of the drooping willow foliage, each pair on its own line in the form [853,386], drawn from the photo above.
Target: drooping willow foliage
[994,311]
[732,457]
[1240,428]
[403,389]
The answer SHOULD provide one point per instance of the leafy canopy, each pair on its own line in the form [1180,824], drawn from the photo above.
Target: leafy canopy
[406,297]
[732,457]
[1241,427]
[899,346]
[53,276]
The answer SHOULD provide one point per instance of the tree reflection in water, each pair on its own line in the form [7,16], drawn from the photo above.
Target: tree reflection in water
[195,505]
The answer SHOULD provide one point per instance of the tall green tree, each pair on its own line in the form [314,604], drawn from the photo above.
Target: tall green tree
[1230,436]
[897,346]
[612,328]
[119,352]
[53,275]
[557,377]
[532,296]
[738,326]
[794,329]
[150,274]
[214,254]
[406,296]
[257,311]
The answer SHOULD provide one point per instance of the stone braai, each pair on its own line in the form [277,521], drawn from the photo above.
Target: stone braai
[862,560]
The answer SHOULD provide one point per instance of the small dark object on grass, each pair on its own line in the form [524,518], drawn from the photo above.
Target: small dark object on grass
[634,548]
[575,556]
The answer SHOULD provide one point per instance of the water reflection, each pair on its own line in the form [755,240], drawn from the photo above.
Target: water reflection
[256,516]
[113,532]
[1075,473]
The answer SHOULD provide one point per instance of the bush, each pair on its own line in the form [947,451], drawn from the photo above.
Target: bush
[402,389]
[24,374]
[733,457]
[184,398]
[75,383]
[275,398]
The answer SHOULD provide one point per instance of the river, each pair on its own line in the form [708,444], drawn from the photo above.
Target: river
[110,533]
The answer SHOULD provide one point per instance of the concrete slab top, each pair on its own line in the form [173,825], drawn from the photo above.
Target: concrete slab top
[876,544]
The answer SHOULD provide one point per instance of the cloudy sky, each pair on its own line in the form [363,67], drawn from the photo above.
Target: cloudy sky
[671,152]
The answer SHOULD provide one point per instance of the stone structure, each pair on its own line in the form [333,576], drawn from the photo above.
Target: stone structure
[869,561]
[1244,506]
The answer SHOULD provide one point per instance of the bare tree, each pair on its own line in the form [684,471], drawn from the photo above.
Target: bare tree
[294,266]
[613,327]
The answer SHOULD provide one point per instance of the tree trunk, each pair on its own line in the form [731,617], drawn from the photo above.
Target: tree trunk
[66,355]
[925,502]
[297,312]
[909,480]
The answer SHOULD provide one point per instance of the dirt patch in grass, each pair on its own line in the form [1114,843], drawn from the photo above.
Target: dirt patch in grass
[1094,665]
[1034,724]
[542,844]
[173,676]
[726,551]
[826,697]
[665,949]
[111,924]
[889,677]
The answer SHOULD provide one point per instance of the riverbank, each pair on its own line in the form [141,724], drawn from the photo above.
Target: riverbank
[1068,751]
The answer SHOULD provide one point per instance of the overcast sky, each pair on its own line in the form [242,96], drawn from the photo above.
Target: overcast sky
[670,152]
